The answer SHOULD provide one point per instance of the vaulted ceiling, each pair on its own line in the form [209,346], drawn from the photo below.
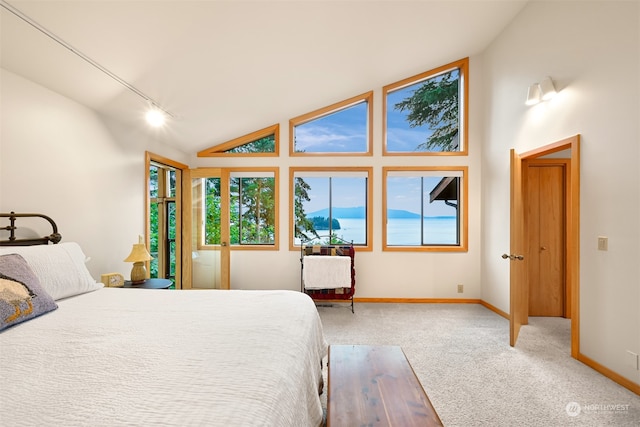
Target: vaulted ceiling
[226,68]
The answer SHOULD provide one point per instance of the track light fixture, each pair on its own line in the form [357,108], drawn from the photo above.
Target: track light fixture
[543,91]
[155,116]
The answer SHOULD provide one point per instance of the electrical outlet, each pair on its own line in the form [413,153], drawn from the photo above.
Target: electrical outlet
[603,243]
[460,289]
[633,360]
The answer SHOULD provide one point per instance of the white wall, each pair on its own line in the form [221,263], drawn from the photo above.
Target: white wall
[97,168]
[591,50]
[60,159]
[378,274]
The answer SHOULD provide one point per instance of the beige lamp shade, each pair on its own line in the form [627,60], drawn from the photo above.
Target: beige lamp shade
[138,256]
[138,253]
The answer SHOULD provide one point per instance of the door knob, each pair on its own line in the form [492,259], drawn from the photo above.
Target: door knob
[513,257]
[505,256]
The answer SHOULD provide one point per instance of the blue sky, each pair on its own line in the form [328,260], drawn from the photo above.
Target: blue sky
[400,136]
[346,131]
[338,132]
[347,192]
[404,193]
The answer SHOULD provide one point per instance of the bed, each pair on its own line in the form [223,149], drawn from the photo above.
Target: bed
[328,271]
[113,356]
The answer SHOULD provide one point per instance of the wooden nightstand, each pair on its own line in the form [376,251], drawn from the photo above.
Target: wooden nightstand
[150,284]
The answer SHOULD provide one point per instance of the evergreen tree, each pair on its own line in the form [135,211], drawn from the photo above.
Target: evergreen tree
[435,103]
[266,144]
[212,211]
[303,225]
[256,204]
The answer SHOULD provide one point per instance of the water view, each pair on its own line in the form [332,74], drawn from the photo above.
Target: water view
[440,230]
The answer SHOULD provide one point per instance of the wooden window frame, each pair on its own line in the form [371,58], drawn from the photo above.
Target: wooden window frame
[220,149]
[262,247]
[369,171]
[463,66]
[463,213]
[322,112]
[180,169]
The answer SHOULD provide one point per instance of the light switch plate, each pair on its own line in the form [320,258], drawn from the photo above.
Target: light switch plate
[603,243]
[633,360]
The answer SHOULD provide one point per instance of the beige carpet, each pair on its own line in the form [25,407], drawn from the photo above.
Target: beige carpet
[472,376]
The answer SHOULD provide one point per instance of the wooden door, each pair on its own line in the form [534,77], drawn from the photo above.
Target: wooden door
[518,312]
[546,213]
[517,270]
[206,229]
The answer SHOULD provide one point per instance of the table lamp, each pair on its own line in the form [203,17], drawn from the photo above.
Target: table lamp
[138,256]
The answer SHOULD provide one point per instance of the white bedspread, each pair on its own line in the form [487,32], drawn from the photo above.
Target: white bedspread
[161,357]
[326,272]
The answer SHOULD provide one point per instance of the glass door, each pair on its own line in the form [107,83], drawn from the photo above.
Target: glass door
[208,230]
[164,221]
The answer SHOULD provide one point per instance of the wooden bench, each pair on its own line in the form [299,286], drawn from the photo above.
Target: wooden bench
[375,386]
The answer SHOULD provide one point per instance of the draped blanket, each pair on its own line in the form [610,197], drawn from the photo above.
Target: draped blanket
[326,272]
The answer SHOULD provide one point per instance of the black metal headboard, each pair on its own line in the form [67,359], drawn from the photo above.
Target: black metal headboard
[54,237]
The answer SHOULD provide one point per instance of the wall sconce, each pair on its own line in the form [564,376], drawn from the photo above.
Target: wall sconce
[543,91]
[547,89]
[138,256]
[533,94]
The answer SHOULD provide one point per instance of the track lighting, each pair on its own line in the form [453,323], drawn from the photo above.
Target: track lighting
[156,115]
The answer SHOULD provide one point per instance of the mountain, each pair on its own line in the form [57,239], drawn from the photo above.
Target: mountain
[355,212]
[359,212]
[399,213]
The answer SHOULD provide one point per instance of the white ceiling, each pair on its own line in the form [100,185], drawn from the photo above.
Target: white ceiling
[228,68]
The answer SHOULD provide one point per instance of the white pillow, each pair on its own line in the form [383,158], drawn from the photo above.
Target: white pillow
[60,268]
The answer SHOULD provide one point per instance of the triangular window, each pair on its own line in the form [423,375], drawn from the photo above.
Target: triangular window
[342,129]
[427,114]
[264,142]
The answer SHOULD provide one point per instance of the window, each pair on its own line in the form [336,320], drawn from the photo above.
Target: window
[253,208]
[162,223]
[427,113]
[212,200]
[264,142]
[331,203]
[425,208]
[163,216]
[344,128]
